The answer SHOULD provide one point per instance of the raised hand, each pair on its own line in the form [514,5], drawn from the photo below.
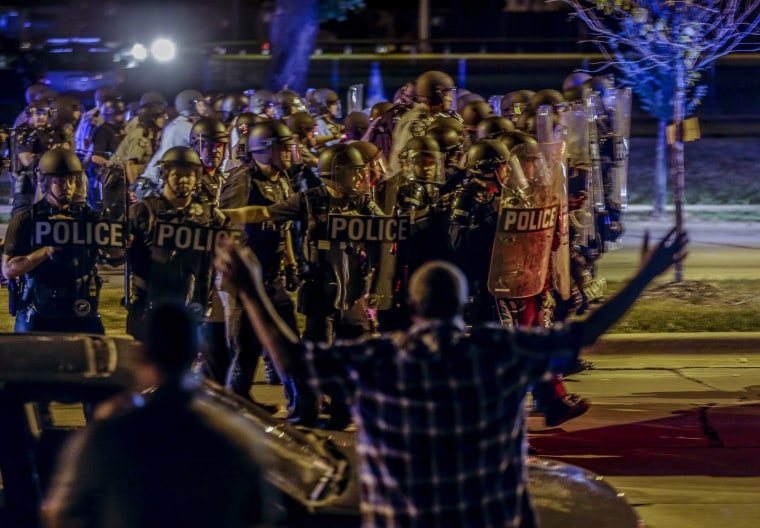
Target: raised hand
[670,250]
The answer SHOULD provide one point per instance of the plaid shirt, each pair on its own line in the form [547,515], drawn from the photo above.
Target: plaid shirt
[441,419]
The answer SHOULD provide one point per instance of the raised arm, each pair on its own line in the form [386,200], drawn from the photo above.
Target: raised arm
[241,269]
[669,251]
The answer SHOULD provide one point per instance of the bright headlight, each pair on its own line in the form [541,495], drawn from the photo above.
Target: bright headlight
[139,52]
[163,50]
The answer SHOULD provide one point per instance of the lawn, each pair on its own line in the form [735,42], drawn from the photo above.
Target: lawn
[725,306]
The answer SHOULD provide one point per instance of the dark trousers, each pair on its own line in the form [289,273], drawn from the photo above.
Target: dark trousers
[28,320]
[302,402]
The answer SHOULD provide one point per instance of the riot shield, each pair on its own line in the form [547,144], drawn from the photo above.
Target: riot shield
[355,98]
[529,209]
[621,135]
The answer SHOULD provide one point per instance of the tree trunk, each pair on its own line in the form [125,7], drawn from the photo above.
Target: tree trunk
[677,157]
[660,171]
[292,35]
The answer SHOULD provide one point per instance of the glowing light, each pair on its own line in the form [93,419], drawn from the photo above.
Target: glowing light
[139,52]
[163,50]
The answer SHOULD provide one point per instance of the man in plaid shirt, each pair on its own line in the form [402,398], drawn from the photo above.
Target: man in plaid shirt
[440,413]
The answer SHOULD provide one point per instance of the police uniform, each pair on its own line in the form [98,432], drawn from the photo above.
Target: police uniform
[62,293]
[249,186]
[33,140]
[158,273]
[175,133]
[338,274]
[472,229]
[105,141]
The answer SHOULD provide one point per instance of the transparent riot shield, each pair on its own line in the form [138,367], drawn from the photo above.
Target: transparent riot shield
[529,209]
[355,98]
[621,135]
[580,182]
[553,141]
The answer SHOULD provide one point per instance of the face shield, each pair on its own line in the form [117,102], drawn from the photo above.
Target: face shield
[211,152]
[349,180]
[335,109]
[377,169]
[449,98]
[285,155]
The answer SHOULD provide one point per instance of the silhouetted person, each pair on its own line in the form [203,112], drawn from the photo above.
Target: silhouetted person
[163,462]
[440,413]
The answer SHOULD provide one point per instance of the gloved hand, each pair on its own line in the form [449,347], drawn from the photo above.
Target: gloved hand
[292,279]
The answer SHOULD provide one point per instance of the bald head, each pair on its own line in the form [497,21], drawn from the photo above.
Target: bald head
[438,290]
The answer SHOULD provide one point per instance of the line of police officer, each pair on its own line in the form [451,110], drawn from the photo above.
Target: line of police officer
[454,181]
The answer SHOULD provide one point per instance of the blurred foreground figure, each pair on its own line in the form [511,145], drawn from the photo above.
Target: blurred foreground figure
[440,414]
[162,462]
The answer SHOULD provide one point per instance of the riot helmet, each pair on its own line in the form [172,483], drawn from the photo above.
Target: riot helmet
[34,92]
[152,115]
[515,137]
[271,143]
[374,159]
[435,88]
[467,97]
[532,162]
[113,110]
[239,134]
[485,157]
[572,86]
[133,108]
[208,137]
[550,97]
[379,109]
[39,111]
[341,168]
[424,158]
[450,143]
[264,102]
[302,123]
[153,97]
[105,92]
[356,124]
[60,172]
[190,103]
[290,103]
[66,110]
[474,112]
[492,126]
[180,171]
[514,103]
[326,101]
[233,105]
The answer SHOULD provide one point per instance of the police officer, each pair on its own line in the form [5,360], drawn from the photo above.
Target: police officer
[92,119]
[418,198]
[333,297]
[56,289]
[327,109]
[262,181]
[435,93]
[160,271]
[191,106]
[105,140]
[473,224]
[140,142]
[28,143]
[263,104]
[209,139]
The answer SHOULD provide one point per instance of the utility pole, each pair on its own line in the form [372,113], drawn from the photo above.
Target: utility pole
[424,26]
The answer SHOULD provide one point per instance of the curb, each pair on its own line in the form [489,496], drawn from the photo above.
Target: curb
[713,343]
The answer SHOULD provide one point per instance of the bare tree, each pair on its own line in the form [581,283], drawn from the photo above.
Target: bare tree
[666,45]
